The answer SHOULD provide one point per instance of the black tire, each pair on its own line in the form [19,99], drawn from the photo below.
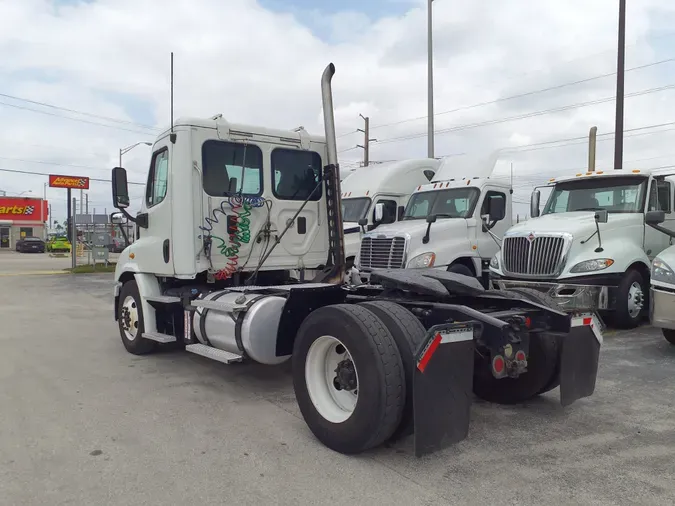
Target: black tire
[138,345]
[669,334]
[381,380]
[551,340]
[622,317]
[408,333]
[542,365]
[461,269]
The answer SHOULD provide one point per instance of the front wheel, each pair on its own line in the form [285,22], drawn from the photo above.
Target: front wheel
[631,300]
[348,378]
[130,321]
[669,335]
[461,269]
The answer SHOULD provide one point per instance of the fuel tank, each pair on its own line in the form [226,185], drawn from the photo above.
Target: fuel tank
[243,324]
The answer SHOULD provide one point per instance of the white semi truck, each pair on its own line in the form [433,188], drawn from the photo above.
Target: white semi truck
[230,211]
[592,247]
[453,223]
[376,195]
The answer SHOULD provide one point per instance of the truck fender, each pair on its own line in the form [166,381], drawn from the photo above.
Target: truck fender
[148,286]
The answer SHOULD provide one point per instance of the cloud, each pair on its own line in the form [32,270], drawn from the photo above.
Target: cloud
[261,66]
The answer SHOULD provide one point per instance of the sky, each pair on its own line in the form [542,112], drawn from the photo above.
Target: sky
[81,79]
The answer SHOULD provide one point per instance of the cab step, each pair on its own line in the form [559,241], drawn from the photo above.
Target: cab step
[159,337]
[164,299]
[214,353]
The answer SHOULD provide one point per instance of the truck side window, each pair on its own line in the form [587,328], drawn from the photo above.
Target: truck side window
[660,196]
[158,178]
[295,174]
[389,214]
[486,203]
[230,168]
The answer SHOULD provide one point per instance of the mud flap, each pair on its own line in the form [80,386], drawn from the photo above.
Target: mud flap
[443,386]
[579,359]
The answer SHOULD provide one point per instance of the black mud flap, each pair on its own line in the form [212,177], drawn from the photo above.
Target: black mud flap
[579,363]
[443,386]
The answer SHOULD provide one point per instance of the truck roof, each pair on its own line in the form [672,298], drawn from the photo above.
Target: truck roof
[399,177]
[238,131]
[472,182]
[613,173]
[467,166]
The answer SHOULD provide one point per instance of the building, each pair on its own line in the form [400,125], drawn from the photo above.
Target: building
[22,217]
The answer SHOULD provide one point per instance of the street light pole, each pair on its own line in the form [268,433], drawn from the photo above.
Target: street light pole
[129,148]
[620,73]
[430,91]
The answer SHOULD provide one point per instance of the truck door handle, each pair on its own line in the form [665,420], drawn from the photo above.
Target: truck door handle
[165,250]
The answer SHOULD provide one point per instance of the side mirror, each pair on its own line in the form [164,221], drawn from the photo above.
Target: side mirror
[431,219]
[534,203]
[603,216]
[120,188]
[497,208]
[655,217]
[363,222]
[401,212]
[379,212]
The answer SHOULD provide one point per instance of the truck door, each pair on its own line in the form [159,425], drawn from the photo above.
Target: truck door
[660,199]
[487,246]
[155,241]
[390,211]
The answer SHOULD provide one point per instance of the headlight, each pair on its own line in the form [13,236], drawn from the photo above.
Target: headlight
[592,265]
[423,260]
[494,263]
[661,271]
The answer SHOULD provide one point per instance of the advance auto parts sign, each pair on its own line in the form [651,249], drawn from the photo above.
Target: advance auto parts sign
[18,209]
[76,182]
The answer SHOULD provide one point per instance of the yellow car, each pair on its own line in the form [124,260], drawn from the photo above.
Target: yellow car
[58,245]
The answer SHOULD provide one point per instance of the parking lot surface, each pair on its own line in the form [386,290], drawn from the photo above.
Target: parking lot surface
[84,422]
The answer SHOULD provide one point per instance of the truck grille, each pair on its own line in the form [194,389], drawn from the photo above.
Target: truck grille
[382,253]
[541,256]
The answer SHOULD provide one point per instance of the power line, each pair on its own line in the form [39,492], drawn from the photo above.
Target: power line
[533,114]
[73,119]
[107,118]
[52,163]
[47,174]
[525,94]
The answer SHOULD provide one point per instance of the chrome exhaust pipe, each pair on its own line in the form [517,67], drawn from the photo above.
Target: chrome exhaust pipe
[328,117]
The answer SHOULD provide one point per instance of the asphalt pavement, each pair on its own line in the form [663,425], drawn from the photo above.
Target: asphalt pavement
[83,422]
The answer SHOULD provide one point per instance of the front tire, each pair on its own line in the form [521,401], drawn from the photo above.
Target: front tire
[669,334]
[631,300]
[461,269]
[130,321]
[344,350]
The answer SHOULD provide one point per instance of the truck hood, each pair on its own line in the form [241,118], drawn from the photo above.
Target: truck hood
[414,230]
[576,223]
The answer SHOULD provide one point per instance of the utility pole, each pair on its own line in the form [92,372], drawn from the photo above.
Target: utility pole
[620,73]
[366,140]
[430,91]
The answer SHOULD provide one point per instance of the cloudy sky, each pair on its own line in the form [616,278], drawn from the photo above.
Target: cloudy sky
[79,79]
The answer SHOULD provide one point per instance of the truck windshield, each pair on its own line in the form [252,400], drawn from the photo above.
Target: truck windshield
[613,194]
[355,209]
[452,203]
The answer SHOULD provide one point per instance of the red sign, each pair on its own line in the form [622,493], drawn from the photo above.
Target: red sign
[23,209]
[76,182]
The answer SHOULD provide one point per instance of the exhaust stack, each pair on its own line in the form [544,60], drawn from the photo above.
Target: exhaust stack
[336,262]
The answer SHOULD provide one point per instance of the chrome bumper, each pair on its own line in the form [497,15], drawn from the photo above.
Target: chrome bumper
[569,297]
[662,308]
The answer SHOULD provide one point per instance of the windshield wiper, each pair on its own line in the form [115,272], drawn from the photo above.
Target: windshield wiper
[590,209]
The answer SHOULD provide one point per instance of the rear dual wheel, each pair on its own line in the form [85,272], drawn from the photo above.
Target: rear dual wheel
[542,364]
[350,364]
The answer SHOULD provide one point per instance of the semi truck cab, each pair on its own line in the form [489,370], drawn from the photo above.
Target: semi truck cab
[592,245]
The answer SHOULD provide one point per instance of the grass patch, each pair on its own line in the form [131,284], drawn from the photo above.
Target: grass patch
[89,269]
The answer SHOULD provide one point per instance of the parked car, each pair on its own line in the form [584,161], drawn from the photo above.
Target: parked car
[30,245]
[59,244]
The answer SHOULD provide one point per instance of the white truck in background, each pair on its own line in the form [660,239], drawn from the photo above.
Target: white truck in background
[454,223]
[377,195]
[592,246]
